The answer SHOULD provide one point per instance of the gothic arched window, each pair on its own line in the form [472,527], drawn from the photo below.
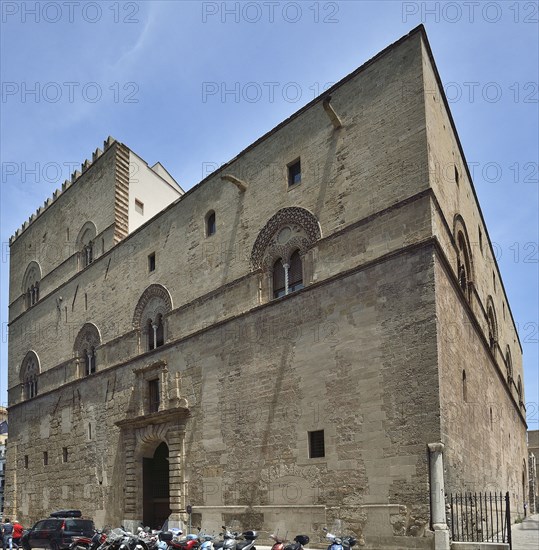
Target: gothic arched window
[492,327]
[86,342]
[282,251]
[150,316]
[29,375]
[30,286]
[509,365]
[85,244]
[519,390]
[463,268]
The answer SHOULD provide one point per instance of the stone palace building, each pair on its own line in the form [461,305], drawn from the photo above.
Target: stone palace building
[317,331]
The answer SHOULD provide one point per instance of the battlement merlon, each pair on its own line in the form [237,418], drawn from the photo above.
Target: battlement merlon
[110,197]
[157,169]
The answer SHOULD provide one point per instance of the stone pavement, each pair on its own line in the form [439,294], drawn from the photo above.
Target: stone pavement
[526,534]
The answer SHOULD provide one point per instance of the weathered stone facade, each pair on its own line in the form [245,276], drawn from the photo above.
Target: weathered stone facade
[198,355]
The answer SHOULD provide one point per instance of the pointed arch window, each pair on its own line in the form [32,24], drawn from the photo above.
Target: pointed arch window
[464,265]
[150,317]
[29,375]
[520,392]
[509,365]
[85,349]
[31,281]
[85,244]
[492,328]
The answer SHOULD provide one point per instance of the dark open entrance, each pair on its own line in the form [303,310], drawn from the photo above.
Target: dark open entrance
[156,488]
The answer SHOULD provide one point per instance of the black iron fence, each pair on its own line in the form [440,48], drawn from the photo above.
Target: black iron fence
[480,517]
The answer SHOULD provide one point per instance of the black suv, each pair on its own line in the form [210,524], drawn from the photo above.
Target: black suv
[57,532]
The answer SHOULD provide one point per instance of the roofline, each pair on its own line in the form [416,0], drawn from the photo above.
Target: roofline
[461,150]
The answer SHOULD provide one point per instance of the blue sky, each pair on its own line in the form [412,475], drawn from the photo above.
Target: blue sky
[187,84]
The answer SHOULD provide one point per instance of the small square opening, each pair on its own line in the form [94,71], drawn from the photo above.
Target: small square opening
[316,444]
[294,173]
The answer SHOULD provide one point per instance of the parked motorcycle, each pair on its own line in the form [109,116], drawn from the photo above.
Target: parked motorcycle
[279,542]
[171,541]
[85,543]
[340,543]
[206,541]
[119,539]
[231,540]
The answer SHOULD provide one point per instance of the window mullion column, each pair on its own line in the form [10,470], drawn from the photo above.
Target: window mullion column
[286,269]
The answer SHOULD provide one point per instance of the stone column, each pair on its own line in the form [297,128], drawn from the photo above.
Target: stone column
[176,476]
[132,492]
[437,496]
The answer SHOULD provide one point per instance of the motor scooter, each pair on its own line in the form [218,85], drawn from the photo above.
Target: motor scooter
[85,543]
[298,543]
[232,540]
[340,543]
[206,541]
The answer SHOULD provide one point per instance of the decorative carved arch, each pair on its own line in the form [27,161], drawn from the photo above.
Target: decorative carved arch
[270,245]
[508,364]
[30,362]
[520,390]
[155,301]
[29,373]
[492,323]
[85,244]
[87,338]
[465,268]
[32,275]
[86,235]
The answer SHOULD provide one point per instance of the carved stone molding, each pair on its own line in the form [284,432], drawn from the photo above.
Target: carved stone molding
[304,232]
[87,338]
[155,300]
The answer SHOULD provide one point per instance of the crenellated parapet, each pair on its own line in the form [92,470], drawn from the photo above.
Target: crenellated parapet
[67,183]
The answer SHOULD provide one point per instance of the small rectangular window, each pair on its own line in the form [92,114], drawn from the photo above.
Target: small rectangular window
[64,454]
[316,444]
[294,173]
[89,432]
[139,206]
[26,461]
[153,388]
[45,458]
[151,262]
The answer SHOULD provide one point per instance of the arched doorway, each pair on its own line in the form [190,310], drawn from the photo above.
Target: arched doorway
[156,488]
